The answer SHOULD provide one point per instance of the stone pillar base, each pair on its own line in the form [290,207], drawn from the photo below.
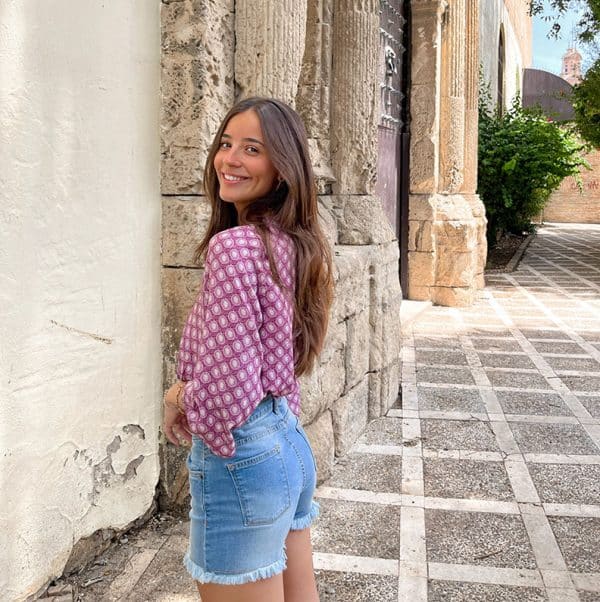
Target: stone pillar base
[447,248]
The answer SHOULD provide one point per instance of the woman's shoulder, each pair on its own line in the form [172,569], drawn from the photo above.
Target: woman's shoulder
[238,237]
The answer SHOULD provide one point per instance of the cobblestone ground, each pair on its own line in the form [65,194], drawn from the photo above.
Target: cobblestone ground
[483,484]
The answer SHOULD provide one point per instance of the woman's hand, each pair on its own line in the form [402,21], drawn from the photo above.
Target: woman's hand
[175,425]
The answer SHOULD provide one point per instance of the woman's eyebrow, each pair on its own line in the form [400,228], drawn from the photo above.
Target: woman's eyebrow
[245,139]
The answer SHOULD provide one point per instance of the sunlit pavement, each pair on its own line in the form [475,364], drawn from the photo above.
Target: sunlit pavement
[483,484]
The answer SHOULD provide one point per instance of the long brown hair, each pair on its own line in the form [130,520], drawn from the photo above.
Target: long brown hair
[293,208]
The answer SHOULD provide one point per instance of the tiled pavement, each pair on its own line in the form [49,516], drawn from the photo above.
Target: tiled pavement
[484,483]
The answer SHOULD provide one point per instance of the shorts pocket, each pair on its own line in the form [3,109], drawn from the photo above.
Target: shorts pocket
[262,487]
[197,490]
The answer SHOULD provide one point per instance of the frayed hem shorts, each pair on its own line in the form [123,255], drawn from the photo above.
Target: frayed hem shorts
[244,507]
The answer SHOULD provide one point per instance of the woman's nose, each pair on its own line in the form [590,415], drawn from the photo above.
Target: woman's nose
[231,157]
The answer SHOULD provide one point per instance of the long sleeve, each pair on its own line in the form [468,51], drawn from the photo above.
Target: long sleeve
[188,346]
[225,384]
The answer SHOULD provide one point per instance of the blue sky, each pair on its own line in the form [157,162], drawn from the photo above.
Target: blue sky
[548,52]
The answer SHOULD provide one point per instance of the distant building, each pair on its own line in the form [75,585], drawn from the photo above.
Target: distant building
[571,67]
[548,91]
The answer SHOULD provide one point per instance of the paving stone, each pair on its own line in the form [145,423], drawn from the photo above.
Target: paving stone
[423,341]
[535,333]
[578,540]
[552,438]
[357,528]
[165,578]
[458,434]
[567,484]
[370,472]
[452,591]
[572,348]
[567,363]
[495,345]
[450,400]
[441,357]
[528,402]
[336,586]
[467,479]
[505,361]
[592,405]
[478,538]
[589,384]
[489,332]
[383,431]
[589,335]
[460,376]
[521,380]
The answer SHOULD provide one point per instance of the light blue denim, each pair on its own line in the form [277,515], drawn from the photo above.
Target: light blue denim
[244,507]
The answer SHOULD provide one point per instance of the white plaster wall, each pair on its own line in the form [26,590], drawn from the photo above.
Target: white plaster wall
[493,13]
[79,277]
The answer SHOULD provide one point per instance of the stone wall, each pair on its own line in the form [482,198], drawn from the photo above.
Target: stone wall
[569,204]
[357,377]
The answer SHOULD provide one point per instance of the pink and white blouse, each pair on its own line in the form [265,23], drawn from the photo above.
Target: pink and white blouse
[237,343]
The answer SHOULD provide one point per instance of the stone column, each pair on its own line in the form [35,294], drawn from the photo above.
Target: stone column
[354,120]
[424,144]
[469,187]
[425,68]
[471,97]
[354,80]
[270,36]
[312,101]
[452,125]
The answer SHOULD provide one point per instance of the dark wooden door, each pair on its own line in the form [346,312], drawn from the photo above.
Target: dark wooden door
[393,134]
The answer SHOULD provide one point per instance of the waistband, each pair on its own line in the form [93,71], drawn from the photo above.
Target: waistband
[276,405]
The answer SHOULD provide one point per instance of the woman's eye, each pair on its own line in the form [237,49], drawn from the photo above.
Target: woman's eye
[224,145]
[252,149]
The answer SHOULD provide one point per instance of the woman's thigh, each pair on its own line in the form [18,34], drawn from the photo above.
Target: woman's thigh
[265,590]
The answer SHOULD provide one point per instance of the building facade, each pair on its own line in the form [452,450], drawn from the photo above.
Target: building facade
[505,36]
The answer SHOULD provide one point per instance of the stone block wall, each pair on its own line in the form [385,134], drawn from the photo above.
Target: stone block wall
[204,71]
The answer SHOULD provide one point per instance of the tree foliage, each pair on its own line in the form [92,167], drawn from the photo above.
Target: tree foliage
[588,25]
[586,102]
[523,158]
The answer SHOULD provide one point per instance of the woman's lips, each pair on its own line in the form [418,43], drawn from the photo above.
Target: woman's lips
[231,179]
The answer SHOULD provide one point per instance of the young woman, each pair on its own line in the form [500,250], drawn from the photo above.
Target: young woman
[259,323]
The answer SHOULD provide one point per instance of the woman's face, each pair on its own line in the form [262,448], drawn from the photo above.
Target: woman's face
[242,163]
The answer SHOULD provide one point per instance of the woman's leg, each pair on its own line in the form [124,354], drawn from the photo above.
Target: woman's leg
[299,578]
[265,590]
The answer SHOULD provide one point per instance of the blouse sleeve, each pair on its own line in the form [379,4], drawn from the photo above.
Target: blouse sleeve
[226,383]
[188,346]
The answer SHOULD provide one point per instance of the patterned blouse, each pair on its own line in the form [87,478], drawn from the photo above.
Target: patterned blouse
[237,342]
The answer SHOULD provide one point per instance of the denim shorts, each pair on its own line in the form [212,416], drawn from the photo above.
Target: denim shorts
[244,507]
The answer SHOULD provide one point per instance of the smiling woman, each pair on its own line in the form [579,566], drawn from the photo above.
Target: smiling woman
[259,322]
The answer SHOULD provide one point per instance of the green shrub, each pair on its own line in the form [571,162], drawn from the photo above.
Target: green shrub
[523,158]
